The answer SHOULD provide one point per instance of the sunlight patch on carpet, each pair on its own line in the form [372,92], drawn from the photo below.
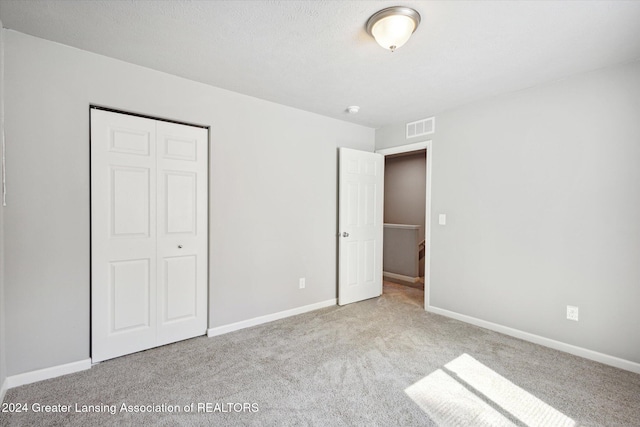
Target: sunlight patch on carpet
[449,403]
[453,398]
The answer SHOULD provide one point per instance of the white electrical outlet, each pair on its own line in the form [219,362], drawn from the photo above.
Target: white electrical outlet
[302,283]
[572,312]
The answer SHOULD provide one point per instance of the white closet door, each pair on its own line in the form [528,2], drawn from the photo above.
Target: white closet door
[148,197]
[182,232]
[123,234]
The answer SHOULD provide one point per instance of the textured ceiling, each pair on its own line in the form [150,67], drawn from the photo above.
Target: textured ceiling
[316,55]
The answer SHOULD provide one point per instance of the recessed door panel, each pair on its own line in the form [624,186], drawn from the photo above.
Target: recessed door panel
[129,202]
[130,141]
[370,167]
[180,202]
[353,256]
[369,211]
[352,166]
[130,295]
[368,260]
[352,200]
[180,149]
[180,288]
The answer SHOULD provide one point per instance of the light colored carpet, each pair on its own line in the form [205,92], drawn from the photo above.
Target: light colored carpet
[381,362]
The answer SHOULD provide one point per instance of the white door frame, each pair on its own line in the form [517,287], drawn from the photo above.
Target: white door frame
[407,148]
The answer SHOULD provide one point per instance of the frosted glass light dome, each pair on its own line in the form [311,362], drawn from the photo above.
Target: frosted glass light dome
[392,27]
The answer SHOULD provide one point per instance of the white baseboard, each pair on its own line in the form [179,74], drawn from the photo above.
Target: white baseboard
[220,330]
[401,277]
[537,339]
[3,389]
[46,373]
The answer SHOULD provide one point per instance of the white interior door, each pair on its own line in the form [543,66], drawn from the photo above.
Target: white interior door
[123,234]
[148,233]
[182,231]
[360,218]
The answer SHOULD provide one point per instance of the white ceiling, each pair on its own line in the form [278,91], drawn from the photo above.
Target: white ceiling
[316,55]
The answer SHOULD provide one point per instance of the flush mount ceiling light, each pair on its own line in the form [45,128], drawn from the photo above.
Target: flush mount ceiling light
[392,27]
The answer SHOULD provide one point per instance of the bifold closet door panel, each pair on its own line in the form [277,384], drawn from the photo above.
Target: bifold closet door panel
[182,231]
[123,234]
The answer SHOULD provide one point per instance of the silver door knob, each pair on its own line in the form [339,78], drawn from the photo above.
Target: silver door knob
[179,246]
[345,234]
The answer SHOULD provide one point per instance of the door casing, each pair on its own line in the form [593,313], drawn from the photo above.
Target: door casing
[408,148]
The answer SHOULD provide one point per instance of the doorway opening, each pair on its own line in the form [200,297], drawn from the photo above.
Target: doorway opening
[407,194]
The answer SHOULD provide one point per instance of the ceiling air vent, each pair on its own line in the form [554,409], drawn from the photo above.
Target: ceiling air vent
[421,127]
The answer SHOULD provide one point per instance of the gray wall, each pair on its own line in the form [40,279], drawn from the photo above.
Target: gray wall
[3,365]
[400,252]
[272,188]
[540,188]
[404,189]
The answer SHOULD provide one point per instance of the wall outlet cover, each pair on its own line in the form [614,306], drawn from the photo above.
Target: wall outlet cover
[572,313]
